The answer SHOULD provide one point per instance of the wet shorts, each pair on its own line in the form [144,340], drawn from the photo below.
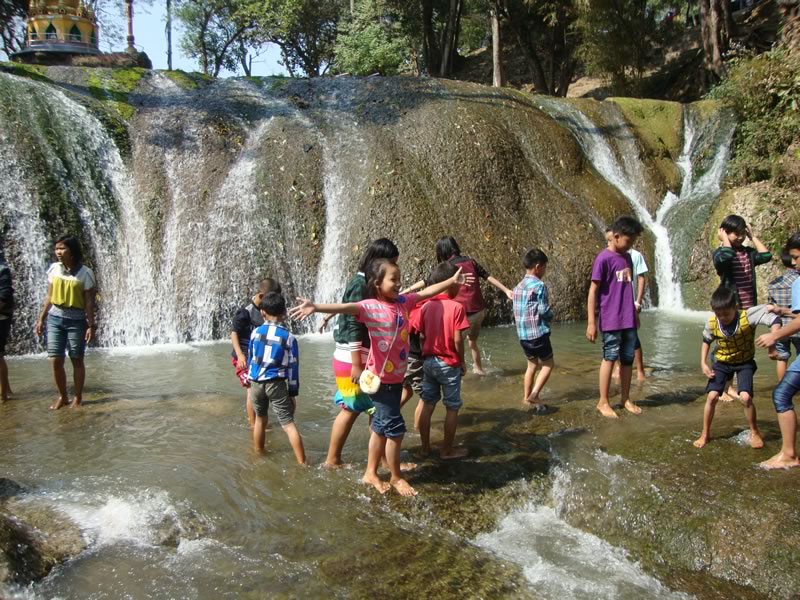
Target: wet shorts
[475,319]
[5,330]
[441,380]
[414,373]
[275,392]
[784,348]
[724,372]
[387,420]
[620,345]
[538,349]
[64,335]
[241,374]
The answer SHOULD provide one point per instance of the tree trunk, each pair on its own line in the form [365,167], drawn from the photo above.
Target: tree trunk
[430,49]
[535,65]
[498,77]
[169,35]
[450,37]
[712,22]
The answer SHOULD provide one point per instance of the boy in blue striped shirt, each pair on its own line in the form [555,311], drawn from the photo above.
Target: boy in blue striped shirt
[532,316]
[274,374]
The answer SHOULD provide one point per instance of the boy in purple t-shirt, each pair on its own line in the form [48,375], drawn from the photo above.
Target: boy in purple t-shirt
[611,296]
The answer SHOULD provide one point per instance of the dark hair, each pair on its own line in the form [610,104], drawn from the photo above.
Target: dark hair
[446,248]
[626,225]
[733,223]
[265,286]
[273,304]
[71,242]
[382,248]
[793,243]
[377,271]
[786,258]
[534,257]
[442,272]
[723,298]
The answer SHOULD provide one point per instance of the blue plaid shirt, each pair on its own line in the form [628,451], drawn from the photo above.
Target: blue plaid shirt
[779,292]
[532,312]
[274,354]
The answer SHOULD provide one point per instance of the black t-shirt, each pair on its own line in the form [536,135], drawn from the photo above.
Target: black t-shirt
[245,320]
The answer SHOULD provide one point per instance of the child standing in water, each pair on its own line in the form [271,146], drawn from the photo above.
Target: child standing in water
[385,314]
[244,321]
[274,373]
[779,295]
[352,350]
[612,292]
[6,314]
[733,330]
[470,297]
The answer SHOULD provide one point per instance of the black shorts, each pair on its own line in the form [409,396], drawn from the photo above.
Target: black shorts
[724,372]
[539,348]
[5,330]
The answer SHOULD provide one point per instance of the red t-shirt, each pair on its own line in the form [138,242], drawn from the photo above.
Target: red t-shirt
[470,296]
[438,320]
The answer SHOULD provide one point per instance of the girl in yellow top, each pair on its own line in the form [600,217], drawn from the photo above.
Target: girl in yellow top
[69,310]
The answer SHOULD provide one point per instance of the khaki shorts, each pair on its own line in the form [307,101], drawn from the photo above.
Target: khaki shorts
[475,320]
[275,392]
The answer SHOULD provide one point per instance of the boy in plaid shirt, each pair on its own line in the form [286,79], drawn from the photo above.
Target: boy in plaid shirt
[779,295]
[532,316]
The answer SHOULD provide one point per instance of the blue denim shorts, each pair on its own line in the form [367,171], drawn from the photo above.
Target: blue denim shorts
[783,394]
[441,379]
[620,345]
[387,420]
[538,349]
[784,348]
[65,334]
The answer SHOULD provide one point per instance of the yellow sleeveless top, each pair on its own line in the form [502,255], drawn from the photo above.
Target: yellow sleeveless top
[737,348]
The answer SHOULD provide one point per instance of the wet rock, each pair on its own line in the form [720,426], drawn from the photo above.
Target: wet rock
[9,488]
[186,524]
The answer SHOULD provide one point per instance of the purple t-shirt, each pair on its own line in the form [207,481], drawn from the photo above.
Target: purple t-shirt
[613,274]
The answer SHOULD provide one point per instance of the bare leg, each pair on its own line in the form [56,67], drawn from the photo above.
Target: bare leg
[756,441]
[787,457]
[477,368]
[708,417]
[625,375]
[251,413]
[450,424]
[60,377]
[639,361]
[377,448]
[342,425]
[418,413]
[541,380]
[393,446]
[605,384]
[530,373]
[259,427]
[297,443]
[425,427]
[729,395]
[78,378]
[407,394]
[780,367]
[5,388]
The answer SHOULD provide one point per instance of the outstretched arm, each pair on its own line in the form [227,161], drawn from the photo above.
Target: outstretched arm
[438,288]
[417,286]
[769,339]
[509,294]
[306,308]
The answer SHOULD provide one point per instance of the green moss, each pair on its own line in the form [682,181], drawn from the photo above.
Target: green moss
[188,81]
[113,87]
[657,123]
[37,72]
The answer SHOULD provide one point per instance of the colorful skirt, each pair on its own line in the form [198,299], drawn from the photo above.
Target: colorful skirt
[349,396]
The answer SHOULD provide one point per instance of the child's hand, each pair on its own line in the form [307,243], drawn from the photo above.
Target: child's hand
[241,362]
[355,373]
[722,236]
[510,295]
[772,352]
[324,323]
[766,340]
[591,332]
[708,371]
[303,310]
[463,278]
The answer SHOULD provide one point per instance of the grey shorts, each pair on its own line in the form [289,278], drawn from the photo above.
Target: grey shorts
[275,392]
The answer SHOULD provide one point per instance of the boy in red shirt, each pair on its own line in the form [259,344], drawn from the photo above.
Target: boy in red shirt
[442,323]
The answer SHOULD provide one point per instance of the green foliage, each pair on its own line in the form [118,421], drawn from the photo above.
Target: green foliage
[765,92]
[212,30]
[373,41]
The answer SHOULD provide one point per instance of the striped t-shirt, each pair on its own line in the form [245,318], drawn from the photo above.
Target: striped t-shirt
[743,276]
[387,324]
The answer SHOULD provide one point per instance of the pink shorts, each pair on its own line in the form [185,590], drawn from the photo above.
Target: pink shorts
[240,373]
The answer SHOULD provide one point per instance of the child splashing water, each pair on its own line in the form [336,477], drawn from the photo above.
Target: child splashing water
[385,313]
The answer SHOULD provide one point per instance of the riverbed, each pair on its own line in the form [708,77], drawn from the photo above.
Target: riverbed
[562,505]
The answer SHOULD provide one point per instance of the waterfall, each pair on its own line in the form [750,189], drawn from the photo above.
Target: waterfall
[622,167]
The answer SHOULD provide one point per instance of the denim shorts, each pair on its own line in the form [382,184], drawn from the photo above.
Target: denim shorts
[784,348]
[387,420]
[783,394]
[620,345]
[724,372]
[441,379]
[66,334]
[540,348]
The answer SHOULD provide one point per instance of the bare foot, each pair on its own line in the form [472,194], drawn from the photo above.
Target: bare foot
[632,408]
[332,465]
[756,441]
[422,453]
[640,378]
[780,461]
[531,399]
[728,397]
[700,442]
[3,399]
[478,371]
[58,403]
[606,410]
[453,453]
[76,403]
[406,467]
[376,482]
[403,488]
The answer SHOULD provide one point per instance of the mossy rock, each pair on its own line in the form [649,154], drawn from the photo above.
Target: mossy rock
[36,72]
[113,86]
[187,81]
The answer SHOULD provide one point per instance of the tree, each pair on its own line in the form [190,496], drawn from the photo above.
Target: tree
[12,28]
[372,40]
[716,29]
[213,30]
[498,77]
